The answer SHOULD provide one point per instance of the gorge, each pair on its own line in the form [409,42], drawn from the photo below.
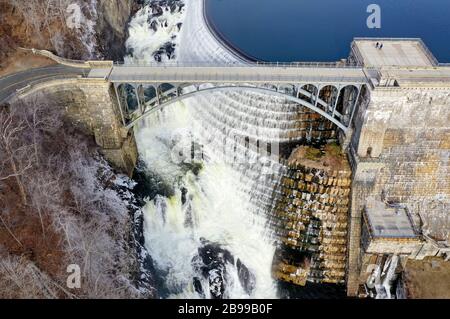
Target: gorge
[211,236]
[306,170]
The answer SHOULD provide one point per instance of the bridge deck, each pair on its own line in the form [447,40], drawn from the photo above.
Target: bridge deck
[236,74]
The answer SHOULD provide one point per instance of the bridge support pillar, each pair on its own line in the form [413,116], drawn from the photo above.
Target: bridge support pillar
[103,115]
[123,158]
[345,139]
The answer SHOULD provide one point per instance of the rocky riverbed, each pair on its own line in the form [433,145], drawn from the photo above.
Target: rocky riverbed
[311,216]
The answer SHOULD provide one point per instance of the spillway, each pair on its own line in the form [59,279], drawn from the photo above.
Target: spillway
[209,232]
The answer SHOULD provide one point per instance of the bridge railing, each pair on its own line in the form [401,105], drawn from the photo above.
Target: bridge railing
[338,65]
[198,78]
[64,61]
[428,53]
[70,62]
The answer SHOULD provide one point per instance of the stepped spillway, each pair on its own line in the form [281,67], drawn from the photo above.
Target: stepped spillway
[209,232]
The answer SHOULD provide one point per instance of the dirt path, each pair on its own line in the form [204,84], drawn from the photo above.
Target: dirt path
[428,278]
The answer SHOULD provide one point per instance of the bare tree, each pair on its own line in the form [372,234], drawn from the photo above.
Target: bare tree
[13,153]
[20,278]
[8,229]
[60,174]
[34,122]
[45,26]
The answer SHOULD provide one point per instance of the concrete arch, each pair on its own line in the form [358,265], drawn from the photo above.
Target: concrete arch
[310,87]
[329,94]
[241,87]
[347,96]
[165,91]
[308,92]
[147,96]
[290,89]
[270,87]
[204,86]
[348,86]
[321,86]
[149,92]
[129,95]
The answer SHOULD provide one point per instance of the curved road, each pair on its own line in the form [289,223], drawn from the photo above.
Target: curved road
[9,84]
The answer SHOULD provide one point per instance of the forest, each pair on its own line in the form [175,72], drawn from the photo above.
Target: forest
[61,204]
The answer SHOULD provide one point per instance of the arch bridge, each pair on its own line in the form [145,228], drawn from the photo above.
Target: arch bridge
[327,89]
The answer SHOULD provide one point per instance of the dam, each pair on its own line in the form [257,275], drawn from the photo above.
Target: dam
[386,109]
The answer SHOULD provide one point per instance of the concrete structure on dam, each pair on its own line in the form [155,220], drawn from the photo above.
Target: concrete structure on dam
[390,108]
[400,149]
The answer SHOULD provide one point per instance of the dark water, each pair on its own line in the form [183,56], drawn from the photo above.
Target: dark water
[311,291]
[322,30]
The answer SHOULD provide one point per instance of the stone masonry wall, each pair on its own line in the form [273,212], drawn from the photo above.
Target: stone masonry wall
[92,106]
[401,154]
[311,215]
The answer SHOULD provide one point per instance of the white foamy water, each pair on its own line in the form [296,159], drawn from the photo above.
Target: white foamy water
[215,209]
[227,202]
[144,40]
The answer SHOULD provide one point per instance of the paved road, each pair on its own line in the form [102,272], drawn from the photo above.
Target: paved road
[10,83]
[236,74]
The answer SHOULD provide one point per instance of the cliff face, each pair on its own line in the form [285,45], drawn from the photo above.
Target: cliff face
[101,31]
[111,28]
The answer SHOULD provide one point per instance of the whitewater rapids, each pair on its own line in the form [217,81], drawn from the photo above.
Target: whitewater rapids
[212,228]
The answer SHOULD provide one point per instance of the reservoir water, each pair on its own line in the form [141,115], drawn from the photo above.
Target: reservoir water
[322,30]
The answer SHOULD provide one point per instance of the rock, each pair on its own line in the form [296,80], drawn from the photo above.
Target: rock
[156,10]
[198,287]
[154,25]
[170,49]
[183,195]
[246,278]
[216,283]
[111,26]
[211,262]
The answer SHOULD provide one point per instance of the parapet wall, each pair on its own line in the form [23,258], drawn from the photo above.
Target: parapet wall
[70,62]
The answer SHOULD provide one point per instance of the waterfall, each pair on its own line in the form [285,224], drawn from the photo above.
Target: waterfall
[209,237]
